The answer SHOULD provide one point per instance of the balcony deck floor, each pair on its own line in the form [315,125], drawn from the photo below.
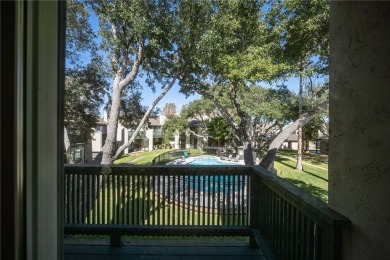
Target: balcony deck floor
[160,249]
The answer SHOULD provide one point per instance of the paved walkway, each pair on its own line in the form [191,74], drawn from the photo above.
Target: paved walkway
[294,159]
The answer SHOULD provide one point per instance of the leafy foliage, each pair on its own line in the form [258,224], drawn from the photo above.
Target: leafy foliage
[85,82]
[300,30]
[219,130]
[79,33]
[84,95]
[173,124]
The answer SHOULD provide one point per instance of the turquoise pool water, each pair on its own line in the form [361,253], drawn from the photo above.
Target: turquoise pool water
[210,160]
[206,190]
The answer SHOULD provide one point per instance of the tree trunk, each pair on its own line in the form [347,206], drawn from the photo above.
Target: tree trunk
[112,126]
[267,161]
[298,166]
[141,124]
[69,158]
[248,153]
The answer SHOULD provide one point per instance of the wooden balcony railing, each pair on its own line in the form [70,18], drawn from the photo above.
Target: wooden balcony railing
[204,201]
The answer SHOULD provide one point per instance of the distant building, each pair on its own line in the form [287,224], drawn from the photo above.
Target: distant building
[149,138]
[322,144]
[291,142]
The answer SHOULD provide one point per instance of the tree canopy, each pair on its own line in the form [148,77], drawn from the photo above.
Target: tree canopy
[222,50]
[85,81]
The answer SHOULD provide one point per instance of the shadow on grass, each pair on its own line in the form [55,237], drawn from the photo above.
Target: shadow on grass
[138,211]
[137,207]
[320,193]
[283,161]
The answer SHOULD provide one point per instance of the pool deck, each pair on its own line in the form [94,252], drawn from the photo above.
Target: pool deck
[188,160]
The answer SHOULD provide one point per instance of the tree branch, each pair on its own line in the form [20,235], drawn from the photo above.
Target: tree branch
[221,108]
[268,160]
[193,132]
[146,115]
[134,70]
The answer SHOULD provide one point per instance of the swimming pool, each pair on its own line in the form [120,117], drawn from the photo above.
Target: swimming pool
[206,190]
[209,160]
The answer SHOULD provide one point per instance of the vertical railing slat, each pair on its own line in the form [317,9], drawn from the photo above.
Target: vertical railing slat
[184,200]
[118,199]
[169,200]
[138,210]
[208,187]
[188,200]
[104,191]
[164,198]
[95,199]
[68,202]
[239,212]
[128,198]
[198,199]
[229,200]
[123,203]
[193,200]
[204,199]
[179,198]
[133,199]
[174,201]
[148,198]
[213,202]
[234,200]
[88,197]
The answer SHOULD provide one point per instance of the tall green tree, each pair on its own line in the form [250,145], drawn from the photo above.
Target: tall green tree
[175,124]
[137,38]
[85,80]
[228,55]
[84,88]
[219,130]
[301,31]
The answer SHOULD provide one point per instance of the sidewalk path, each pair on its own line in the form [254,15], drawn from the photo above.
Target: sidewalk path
[294,159]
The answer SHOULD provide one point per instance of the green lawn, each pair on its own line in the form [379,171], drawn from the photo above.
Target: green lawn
[312,179]
[146,157]
[316,159]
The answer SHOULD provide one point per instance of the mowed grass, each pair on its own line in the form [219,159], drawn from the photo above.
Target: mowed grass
[146,157]
[312,179]
[132,202]
[140,158]
[312,158]
[141,206]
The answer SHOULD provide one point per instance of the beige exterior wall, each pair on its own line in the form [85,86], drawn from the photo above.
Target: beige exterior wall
[294,146]
[97,142]
[177,141]
[359,143]
[149,135]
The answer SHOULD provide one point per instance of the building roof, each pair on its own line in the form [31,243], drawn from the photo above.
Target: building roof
[101,122]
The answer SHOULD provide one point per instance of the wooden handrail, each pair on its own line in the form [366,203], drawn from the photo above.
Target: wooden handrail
[295,224]
[157,195]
